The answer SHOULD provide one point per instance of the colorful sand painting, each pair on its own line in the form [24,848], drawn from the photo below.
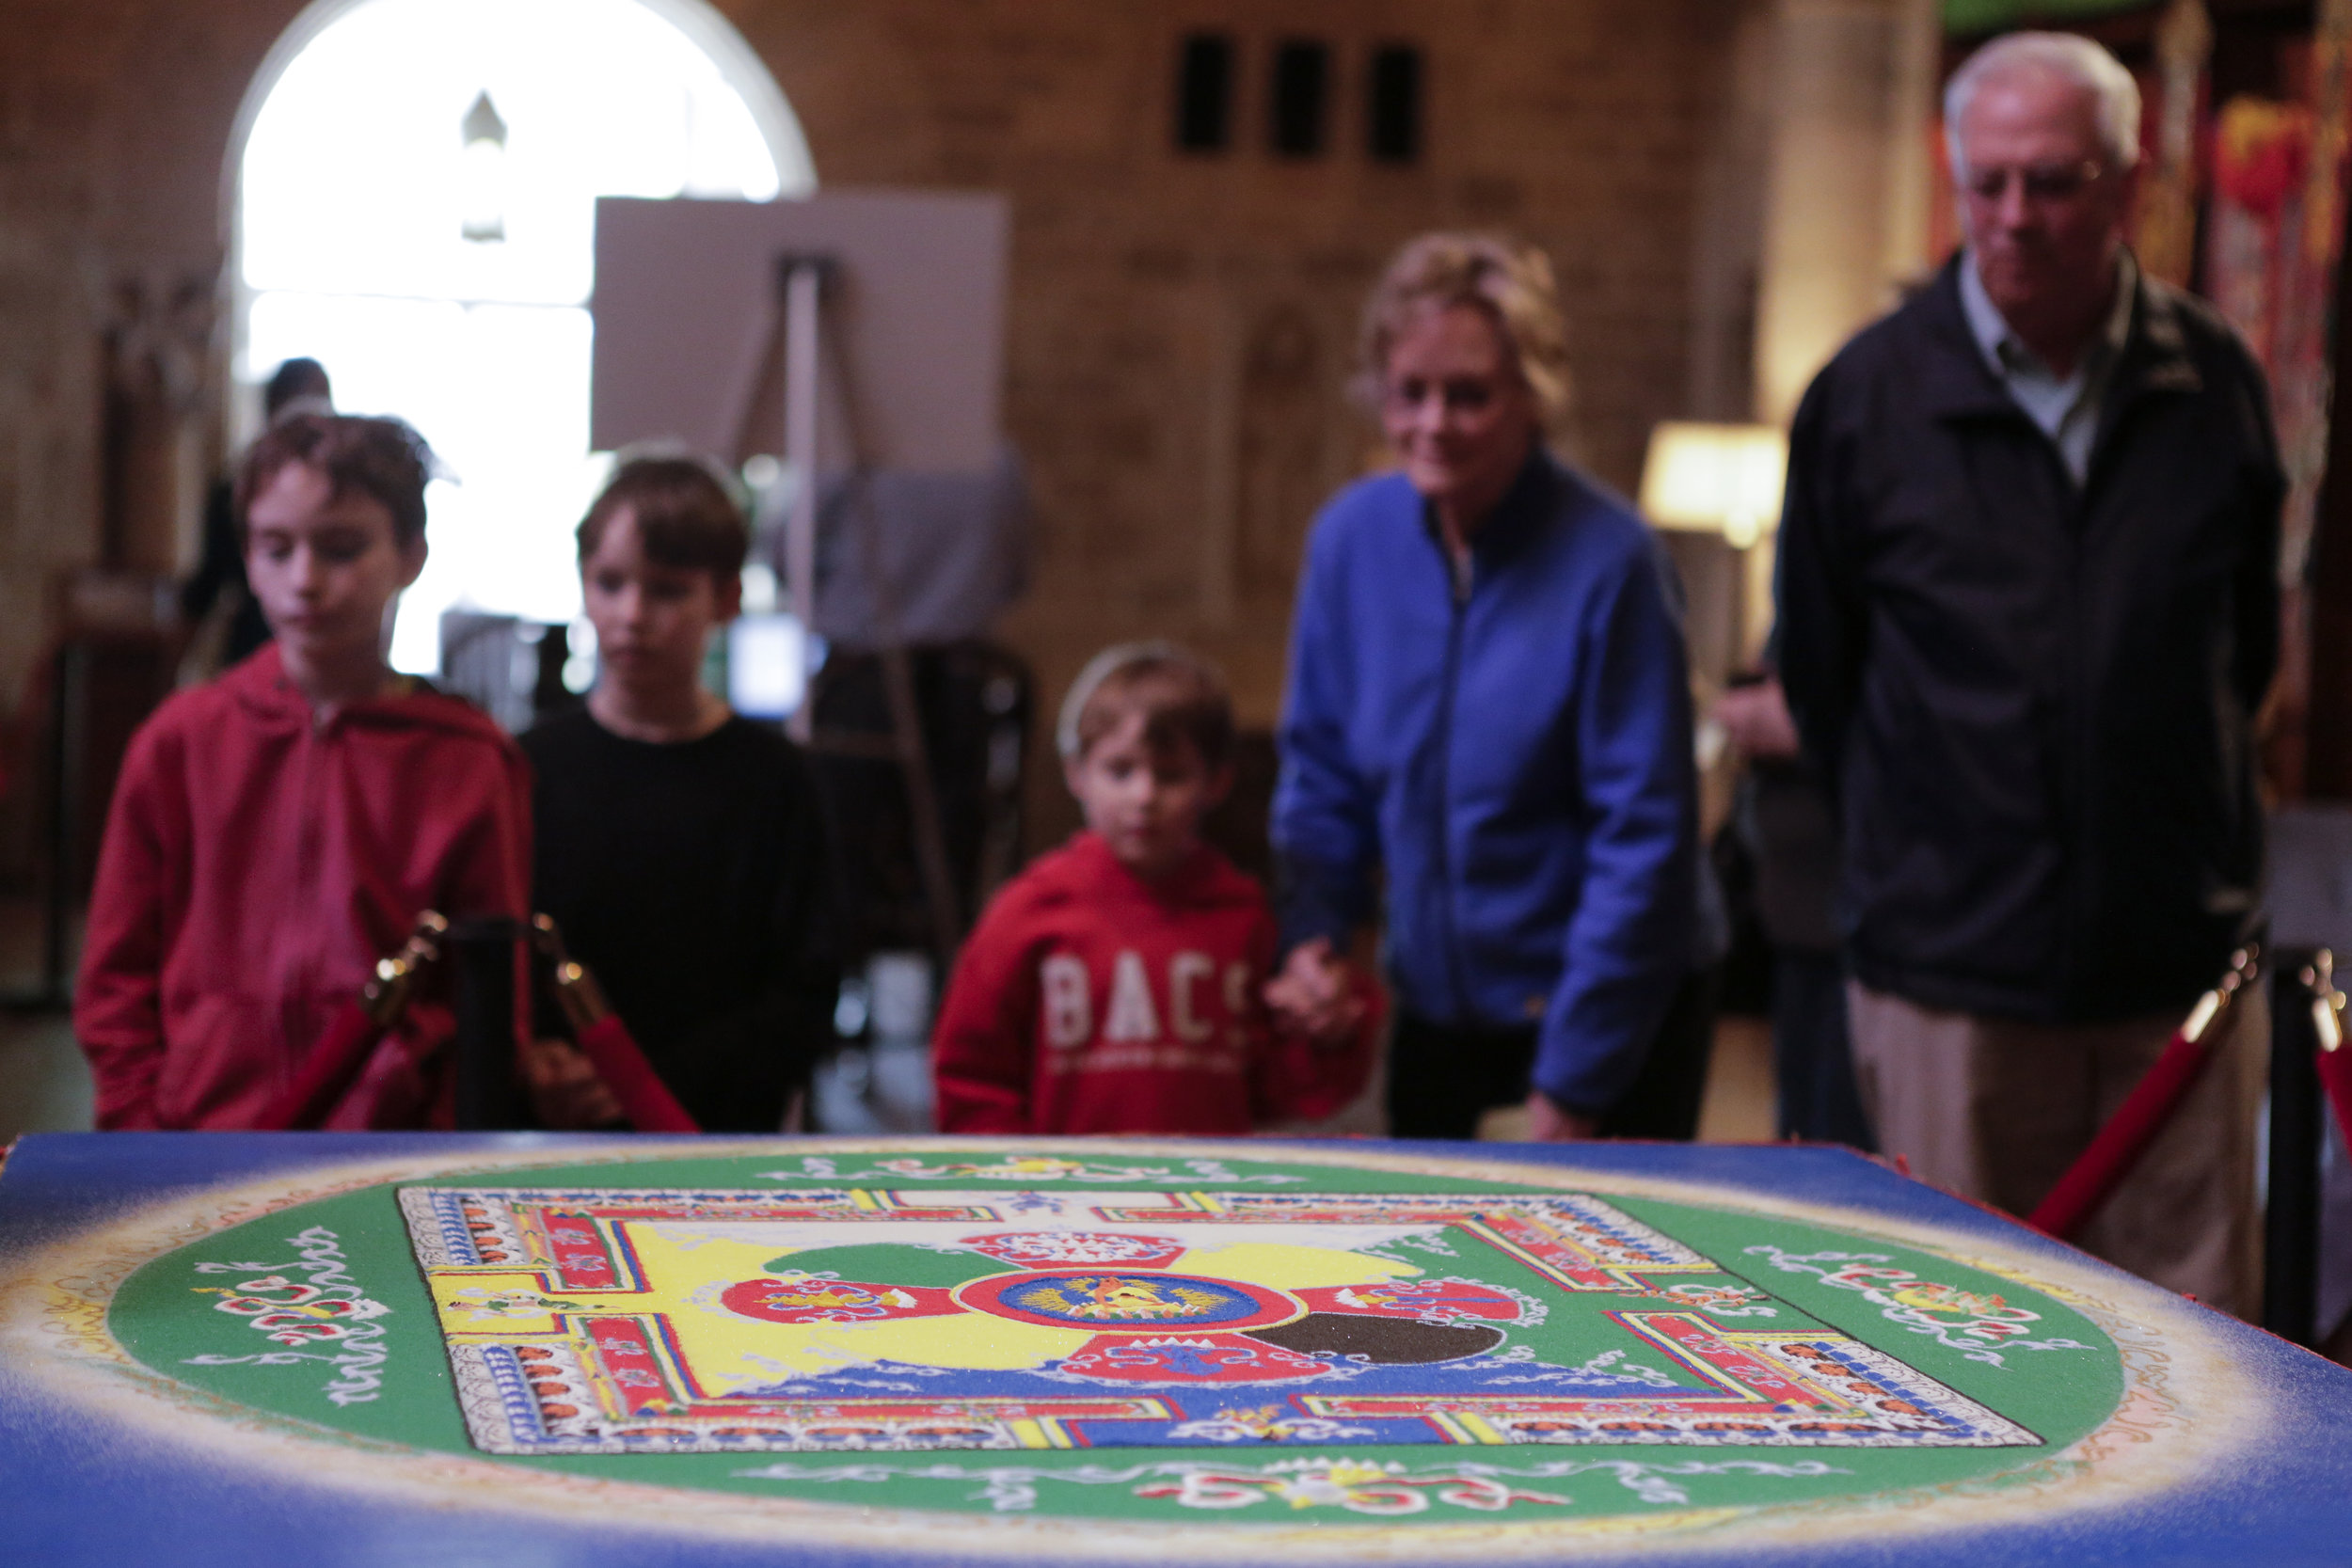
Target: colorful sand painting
[612,1320]
[909,1350]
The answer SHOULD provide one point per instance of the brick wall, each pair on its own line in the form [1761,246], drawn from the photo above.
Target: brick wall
[1180,325]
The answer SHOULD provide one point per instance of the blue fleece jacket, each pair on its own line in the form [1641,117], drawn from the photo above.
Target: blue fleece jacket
[1512,747]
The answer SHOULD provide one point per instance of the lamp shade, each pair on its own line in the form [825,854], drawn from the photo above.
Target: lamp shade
[1722,479]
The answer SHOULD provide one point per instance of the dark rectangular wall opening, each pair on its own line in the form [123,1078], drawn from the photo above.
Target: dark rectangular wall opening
[1302,95]
[1204,93]
[1392,104]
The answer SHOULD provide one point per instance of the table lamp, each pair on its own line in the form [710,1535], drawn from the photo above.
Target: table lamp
[1724,478]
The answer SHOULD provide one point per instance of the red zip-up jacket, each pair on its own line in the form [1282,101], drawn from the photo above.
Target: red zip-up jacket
[1088,1000]
[257,863]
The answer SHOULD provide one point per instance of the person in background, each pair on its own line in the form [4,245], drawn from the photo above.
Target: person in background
[682,849]
[1784,814]
[1115,985]
[1489,706]
[278,831]
[298,387]
[2029,608]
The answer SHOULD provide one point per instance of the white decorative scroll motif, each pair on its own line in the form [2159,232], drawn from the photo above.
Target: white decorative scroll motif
[1969,1321]
[1356,1485]
[320,1318]
[1026,1167]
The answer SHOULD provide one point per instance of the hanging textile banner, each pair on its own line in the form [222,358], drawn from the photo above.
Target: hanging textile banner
[2254,233]
[2300,375]
[2164,230]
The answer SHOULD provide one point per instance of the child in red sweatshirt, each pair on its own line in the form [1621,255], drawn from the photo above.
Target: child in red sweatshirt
[276,831]
[1117,985]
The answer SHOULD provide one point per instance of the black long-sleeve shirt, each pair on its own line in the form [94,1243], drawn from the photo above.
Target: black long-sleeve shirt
[690,878]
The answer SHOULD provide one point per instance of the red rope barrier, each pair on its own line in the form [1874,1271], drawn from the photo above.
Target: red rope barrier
[615,1052]
[334,1063]
[2101,1168]
[330,1069]
[644,1099]
[2334,1062]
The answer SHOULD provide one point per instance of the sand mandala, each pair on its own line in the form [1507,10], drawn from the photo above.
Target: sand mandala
[1061,1343]
[612,1320]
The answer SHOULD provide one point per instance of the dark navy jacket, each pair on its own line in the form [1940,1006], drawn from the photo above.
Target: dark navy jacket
[2035,702]
[1512,752]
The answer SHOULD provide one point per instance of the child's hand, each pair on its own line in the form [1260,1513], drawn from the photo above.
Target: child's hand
[564,1087]
[1315,995]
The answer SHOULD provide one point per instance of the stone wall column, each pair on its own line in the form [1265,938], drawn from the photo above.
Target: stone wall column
[1846,225]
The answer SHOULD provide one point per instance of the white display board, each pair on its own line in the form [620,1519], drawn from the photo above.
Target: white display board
[685,298]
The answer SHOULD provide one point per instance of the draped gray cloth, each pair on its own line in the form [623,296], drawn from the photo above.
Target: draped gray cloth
[918,558]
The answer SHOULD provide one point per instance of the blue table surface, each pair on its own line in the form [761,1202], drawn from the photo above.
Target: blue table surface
[76,1490]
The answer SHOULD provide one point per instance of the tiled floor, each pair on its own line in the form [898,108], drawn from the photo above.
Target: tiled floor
[1738,1107]
[43,1085]
[1739,1104]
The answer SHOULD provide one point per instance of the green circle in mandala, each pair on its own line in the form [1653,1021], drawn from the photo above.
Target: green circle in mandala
[1481,1345]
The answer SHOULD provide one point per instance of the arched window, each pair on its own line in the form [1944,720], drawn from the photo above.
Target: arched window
[414,203]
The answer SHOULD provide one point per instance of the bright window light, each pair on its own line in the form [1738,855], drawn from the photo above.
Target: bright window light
[354,202]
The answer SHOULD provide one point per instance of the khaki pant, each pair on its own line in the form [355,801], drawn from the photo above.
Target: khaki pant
[1996,1111]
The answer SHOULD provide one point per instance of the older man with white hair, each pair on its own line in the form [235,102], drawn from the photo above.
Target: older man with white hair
[2028,607]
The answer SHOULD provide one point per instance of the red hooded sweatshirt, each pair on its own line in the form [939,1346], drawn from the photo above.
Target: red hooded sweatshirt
[1090,1001]
[257,863]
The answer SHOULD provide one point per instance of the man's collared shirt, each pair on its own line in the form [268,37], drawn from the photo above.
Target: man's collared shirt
[2067,408]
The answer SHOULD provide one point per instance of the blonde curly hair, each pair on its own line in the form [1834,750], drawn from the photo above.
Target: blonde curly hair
[1509,279]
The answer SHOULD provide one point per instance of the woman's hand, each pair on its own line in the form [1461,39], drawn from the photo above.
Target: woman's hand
[564,1087]
[1315,994]
[1547,1122]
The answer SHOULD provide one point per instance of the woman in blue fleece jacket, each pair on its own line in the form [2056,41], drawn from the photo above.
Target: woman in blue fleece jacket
[1489,708]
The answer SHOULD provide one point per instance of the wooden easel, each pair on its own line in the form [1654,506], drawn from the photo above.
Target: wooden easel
[802,334]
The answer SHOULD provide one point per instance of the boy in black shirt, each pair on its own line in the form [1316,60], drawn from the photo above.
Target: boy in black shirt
[680,847]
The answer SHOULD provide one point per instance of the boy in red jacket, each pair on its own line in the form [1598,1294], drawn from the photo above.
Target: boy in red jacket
[1117,985]
[276,831]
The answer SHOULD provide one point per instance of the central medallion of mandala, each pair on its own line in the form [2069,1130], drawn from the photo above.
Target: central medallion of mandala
[1130,1299]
